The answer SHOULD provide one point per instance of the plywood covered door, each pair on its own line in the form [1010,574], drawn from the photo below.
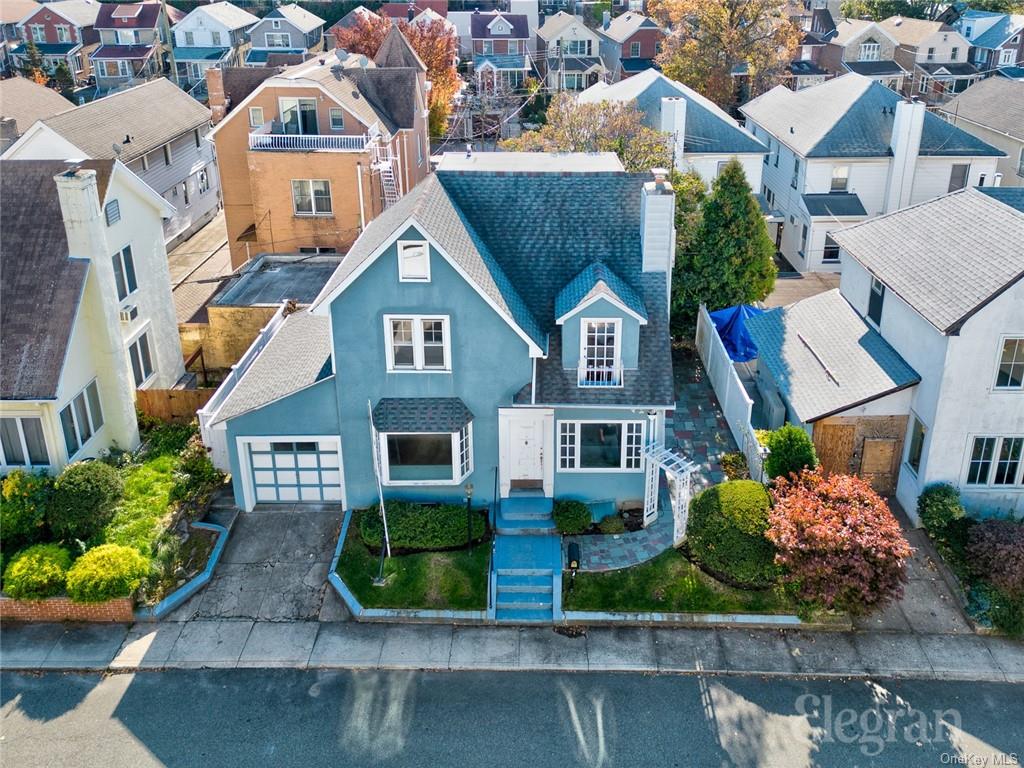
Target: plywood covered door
[834,445]
[878,464]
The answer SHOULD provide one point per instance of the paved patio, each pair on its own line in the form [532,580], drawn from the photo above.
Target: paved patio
[274,568]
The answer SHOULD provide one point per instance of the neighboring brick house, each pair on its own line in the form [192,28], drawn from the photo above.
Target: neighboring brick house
[213,35]
[157,130]
[993,110]
[133,43]
[629,44]
[286,29]
[806,69]
[935,54]
[11,14]
[568,53]
[309,155]
[997,39]
[865,48]
[62,31]
[500,44]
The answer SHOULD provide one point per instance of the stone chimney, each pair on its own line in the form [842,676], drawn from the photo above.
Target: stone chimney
[8,132]
[908,121]
[658,223]
[218,99]
[673,121]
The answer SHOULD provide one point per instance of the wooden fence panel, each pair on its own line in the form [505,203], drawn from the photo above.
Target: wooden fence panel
[177,405]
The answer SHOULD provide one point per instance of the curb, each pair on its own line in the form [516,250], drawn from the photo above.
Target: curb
[185,591]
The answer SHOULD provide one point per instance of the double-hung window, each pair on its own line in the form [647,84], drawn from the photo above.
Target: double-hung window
[876,299]
[427,458]
[38,33]
[615,446]
[311,197]
[337,115]
[190,39]
[796,173]
[830,255]
[995,461]
[634,50]
[840,178]
[577,47]
[22,443]
[600,364]
[958,176]
[124,273]
[215,38]
[1010,374]
[916,447]
[279,40]
[255,117]
[81,418]
[417,343]
[141,359]
[513,47]
[63,33]
[486,47]
[413,262]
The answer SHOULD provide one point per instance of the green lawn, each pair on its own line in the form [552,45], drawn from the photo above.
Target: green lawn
[141,515]
[432,580]
[669,583]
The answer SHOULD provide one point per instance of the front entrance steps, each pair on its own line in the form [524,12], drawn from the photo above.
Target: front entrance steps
[525,516]
[527,557]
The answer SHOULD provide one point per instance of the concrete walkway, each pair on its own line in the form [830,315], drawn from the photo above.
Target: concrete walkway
[349,645]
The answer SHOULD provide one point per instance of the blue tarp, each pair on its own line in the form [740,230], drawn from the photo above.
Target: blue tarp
[729,323]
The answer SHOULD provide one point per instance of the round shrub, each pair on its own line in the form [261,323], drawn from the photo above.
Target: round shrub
[938,506]
[734,465]
[37,572]
[571,516]
[106,572]
[84,496]
[416,527]
[790,451]
[838,543]
[995,552]
[612,524]
[726,533]
[26,497]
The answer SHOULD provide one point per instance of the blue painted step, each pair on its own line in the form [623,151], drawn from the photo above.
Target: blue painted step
[523,600]
[526,507]
[541,526]
[523,616]
[516,582]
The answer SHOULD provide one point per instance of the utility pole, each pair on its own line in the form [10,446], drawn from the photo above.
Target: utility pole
[166,27]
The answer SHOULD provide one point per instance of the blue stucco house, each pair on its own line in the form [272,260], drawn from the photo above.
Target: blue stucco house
[504,324]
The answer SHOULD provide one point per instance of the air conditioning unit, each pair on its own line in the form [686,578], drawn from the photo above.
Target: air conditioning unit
[774,409]
[128,314]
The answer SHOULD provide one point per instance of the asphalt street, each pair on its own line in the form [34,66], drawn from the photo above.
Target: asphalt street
[346,719]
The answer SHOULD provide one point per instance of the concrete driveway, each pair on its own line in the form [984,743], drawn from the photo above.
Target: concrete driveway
[274,568]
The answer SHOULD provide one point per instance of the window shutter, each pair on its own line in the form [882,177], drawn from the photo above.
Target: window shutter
[112,212]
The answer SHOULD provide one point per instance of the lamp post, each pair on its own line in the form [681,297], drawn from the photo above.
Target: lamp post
[469,517]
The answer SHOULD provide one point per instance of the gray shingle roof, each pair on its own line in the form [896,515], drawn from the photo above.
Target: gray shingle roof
[708,128]
[81,12]
[597,280]
[834,204]
[946,257]
[875,68]
[153,114]
[229,14]
[421,414]
[1011,196]
[996,103]
[396,51]
[42,285]
[480,23]
[1000,32]
[27,101]
[293,359]
[299,17]
[852,116]
[824,357]
[625,26]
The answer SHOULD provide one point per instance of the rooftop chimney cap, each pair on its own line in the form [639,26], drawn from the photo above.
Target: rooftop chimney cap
[469,149]
[660,175]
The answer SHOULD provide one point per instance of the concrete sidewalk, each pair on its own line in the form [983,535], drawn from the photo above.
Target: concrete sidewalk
[349,645]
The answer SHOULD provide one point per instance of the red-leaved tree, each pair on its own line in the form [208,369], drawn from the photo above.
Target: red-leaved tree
[837,542]
[436,45]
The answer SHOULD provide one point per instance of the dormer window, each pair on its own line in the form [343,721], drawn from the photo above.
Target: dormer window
[869,51]
[600,361]
[413,262]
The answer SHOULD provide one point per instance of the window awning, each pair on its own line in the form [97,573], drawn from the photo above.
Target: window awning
[421,414]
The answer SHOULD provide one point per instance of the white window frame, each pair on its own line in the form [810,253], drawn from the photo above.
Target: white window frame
[403,276]
[576,78]
[575,433]
[616,322]
[120,256]
[132,341]
[915,419]
[577,47]
[203,181]
[634,50]
[275,23]
[76,418]
[28,465]
[336,112]
[1018,356]
[989,484]
[1006,57]
[312,199]
[38,32]
[145,161]
[283,37]
[254,121]
[869,52]
[840,173]
[215,38]
[190,38]
[513,47]
[63,33]
[487,47]
[417,344]
[461,469]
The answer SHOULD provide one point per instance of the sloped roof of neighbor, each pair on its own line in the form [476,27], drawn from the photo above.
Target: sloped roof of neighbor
[299,17]
[396,51]
[230,15]
[27,101]
[996,103]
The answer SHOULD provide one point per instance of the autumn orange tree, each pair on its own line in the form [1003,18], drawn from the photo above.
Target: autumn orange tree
[708,39]
[436,45]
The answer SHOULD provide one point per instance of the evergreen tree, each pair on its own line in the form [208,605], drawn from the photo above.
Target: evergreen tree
[729,259]
[65,81]
[32,64]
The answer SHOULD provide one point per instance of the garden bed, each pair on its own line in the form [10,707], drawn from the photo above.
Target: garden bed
[438,580]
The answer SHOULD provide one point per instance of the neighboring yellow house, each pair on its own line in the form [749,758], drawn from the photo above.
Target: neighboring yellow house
[318,150]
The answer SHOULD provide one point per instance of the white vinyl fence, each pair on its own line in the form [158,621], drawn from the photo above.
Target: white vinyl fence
[736,404]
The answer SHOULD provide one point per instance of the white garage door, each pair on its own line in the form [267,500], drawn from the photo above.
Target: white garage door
[295,471]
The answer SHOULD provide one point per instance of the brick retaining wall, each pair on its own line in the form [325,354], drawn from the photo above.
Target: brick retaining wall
[62,609]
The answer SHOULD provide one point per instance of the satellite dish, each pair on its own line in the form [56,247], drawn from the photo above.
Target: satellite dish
[117,149]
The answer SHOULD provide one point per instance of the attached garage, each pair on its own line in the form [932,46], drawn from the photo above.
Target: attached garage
[287,469]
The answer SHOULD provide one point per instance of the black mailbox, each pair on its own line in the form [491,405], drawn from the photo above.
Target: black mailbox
[574,556]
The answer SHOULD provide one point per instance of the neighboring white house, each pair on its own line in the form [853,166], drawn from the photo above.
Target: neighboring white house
[993,110]
[211,35]
[916,363]
[87,315]
[850,149]
[157,130]
[286,29]
[568,53]
[704,136]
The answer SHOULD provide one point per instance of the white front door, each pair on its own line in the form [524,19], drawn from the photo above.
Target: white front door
[525,436]
[527,448]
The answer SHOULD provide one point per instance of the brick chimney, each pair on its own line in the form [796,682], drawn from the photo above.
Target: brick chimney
[215,89]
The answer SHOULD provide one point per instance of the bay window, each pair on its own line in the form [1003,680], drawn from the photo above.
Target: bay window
[615,446]
[22,443]
[427,458]
[417,343]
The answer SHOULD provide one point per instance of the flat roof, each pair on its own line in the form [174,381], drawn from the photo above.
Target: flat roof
[269,280]
[532,162]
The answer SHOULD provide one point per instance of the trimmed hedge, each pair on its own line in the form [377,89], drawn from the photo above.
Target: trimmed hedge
[416,527]
[106,572]
[726,533]
[790,452]
[37,572]
[995,550]
[84,496]
[571,516]
[938,506]
[26,497]
[612,524]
